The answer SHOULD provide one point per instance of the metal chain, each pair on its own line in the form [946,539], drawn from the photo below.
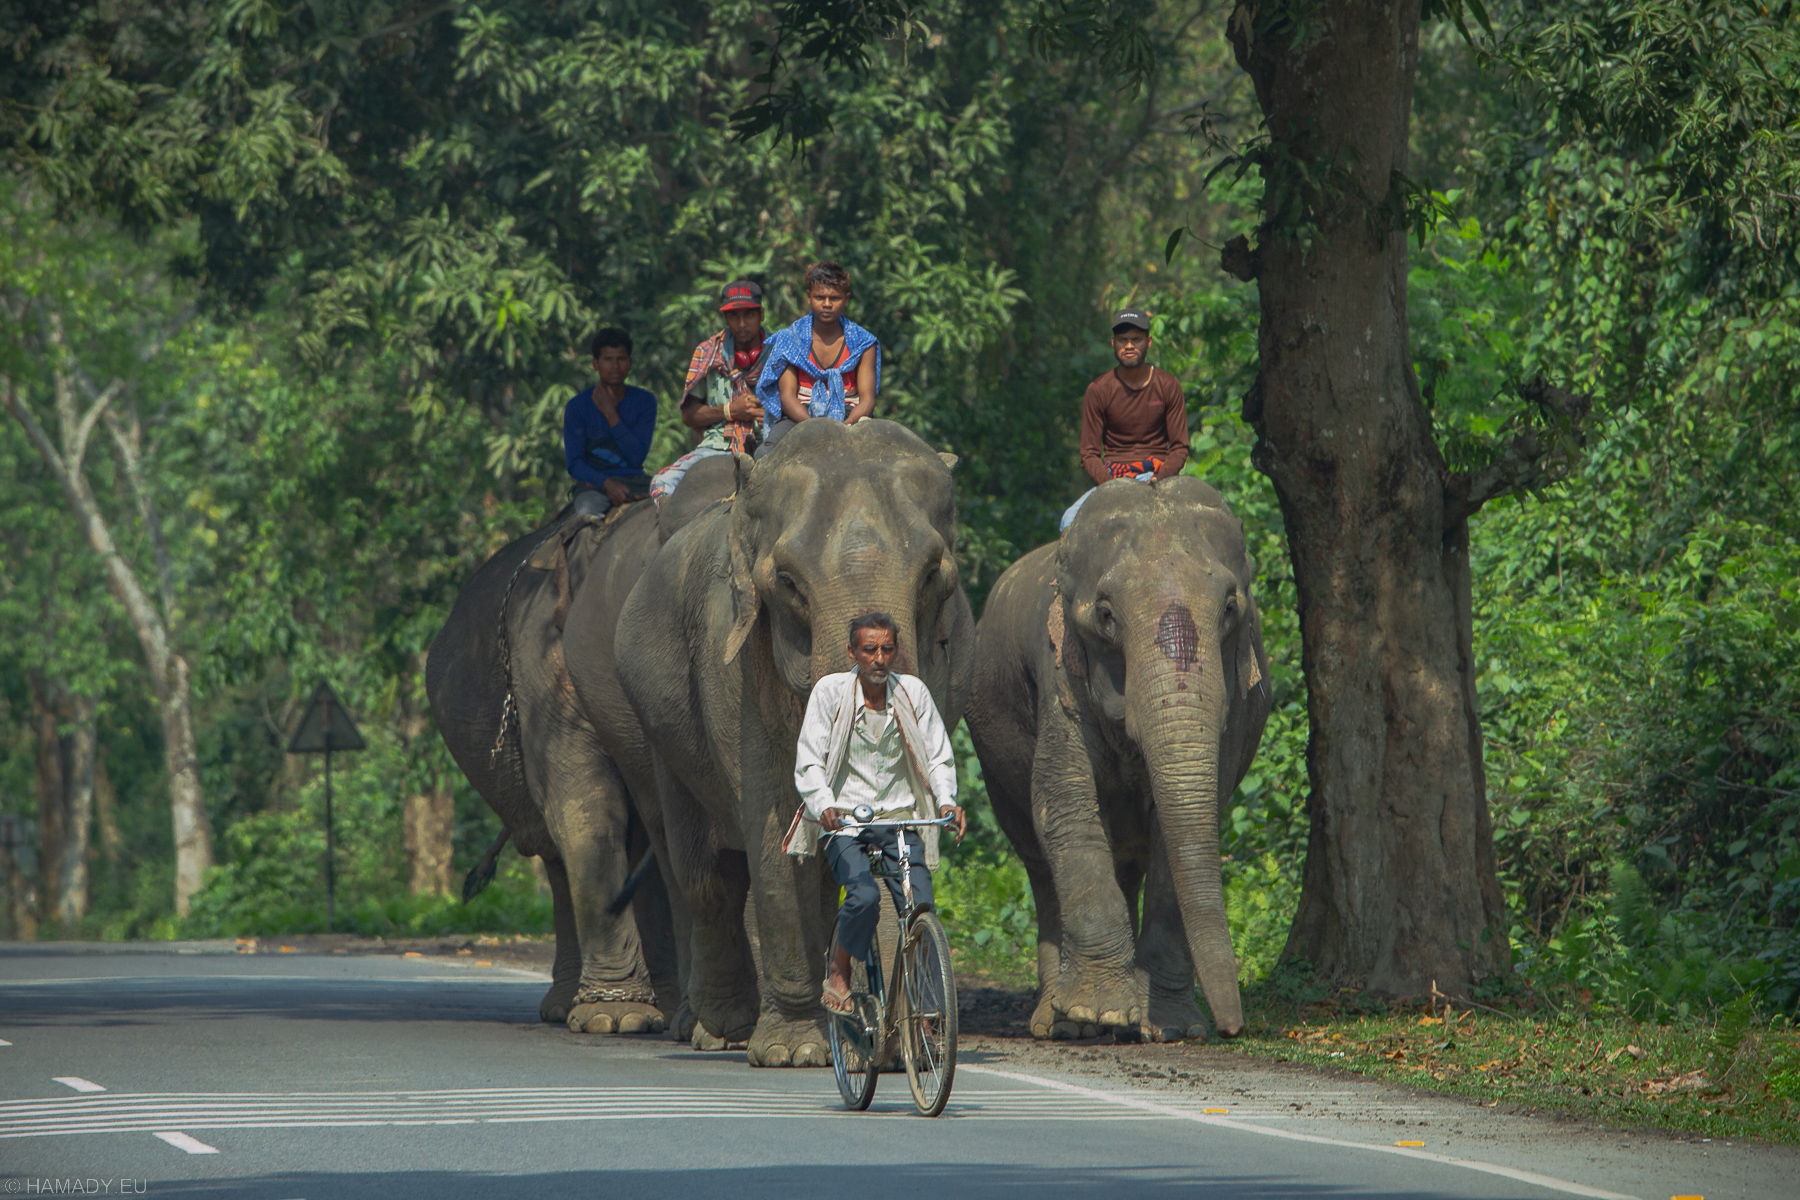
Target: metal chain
[509,708]
[627,993]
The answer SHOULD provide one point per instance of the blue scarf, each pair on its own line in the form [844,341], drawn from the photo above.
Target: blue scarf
[792,347]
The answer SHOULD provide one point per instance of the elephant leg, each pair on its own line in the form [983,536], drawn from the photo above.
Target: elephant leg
[1098,984]
[565,976]
[655,919]
[1172,1012]
[712,882]
[1009,794]
[790,907]
[592,828]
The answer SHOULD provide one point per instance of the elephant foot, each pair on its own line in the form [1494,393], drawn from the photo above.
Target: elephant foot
[700,1039]
[1073,1031]
[616,1016]
[786,1042]
[722,1024]
[1174,1017]
[1043,1019]
[683,1023]
[1102,1004]
[554,1008]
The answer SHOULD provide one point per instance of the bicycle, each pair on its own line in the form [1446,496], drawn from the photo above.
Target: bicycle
[918,1010]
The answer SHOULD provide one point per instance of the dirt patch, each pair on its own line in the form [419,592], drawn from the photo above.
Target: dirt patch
[519,950]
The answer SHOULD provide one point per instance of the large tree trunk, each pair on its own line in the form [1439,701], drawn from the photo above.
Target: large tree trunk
[1400,887]
[66,756]
[169,675]
[430,827]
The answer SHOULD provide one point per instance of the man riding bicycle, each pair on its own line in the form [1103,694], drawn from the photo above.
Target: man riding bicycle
[871,736]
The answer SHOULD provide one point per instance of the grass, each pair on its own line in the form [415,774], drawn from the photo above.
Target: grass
[1732,1078]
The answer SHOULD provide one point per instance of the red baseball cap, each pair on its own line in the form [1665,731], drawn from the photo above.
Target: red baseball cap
[740,293]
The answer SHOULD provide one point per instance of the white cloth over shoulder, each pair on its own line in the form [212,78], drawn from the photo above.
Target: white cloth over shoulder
[821,758]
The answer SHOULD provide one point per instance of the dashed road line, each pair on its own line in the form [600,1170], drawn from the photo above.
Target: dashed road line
[1187,1114]
[78,1083]
[182,1141]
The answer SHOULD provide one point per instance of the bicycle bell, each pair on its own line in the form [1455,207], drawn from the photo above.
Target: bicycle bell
[862,814]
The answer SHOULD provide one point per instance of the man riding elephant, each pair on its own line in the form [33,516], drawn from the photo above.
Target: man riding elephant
[718,647]
[1120,693]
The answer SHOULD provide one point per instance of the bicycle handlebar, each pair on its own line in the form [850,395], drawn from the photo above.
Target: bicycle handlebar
[857,819]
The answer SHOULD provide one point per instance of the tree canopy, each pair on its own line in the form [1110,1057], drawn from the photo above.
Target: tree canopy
[378,236]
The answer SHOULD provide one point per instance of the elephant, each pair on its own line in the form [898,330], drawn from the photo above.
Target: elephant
[717,648]
[1120,692]
[503,696]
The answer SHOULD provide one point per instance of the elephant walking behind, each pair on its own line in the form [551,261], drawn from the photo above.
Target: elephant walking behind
[501,694]
[1120,693]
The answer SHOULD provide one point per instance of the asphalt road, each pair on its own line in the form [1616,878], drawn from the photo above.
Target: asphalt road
[281,1077]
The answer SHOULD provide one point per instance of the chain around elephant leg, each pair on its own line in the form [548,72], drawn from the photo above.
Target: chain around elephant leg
[617,1006]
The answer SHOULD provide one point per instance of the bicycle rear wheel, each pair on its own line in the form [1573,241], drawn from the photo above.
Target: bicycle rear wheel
[853,1034]
[929,1040]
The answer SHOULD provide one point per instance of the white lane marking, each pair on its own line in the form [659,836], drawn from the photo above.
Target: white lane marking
[4,1042]
[78,1083]
[127,1112]
[182,1141]
[1531,1177]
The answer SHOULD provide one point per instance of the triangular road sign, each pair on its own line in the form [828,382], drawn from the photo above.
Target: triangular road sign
[325,725]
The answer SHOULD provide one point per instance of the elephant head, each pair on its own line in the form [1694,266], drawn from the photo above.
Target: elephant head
[1161,640]
[842,520]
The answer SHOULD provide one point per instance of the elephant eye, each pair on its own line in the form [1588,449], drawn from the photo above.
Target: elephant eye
[1105,621]
[792,588]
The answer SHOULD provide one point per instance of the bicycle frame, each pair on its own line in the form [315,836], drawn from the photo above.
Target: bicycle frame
[889,1012]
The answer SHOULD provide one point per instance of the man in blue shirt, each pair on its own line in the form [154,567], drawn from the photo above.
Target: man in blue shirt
[607,430]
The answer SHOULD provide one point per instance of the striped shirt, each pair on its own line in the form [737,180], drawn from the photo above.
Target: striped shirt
[873,774]
[810,372]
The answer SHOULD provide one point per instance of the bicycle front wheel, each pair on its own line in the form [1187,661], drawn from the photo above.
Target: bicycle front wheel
[929,1038]
[853,1037]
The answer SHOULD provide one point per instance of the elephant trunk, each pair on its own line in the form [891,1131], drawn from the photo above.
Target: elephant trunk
[833,611]
[1179,707]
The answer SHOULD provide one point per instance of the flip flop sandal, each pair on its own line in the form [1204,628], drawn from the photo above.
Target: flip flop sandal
[842,998]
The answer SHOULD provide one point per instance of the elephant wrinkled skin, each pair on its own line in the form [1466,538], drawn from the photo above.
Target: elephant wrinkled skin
[560,792]
[718,646]
[1120,692]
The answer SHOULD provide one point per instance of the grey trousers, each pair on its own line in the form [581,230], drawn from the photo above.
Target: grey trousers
[592,501]
[772,434]
[862,899]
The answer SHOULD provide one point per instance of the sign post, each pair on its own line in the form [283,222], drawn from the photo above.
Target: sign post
[325,726]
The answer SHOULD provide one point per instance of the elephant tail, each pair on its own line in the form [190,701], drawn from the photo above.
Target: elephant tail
[623,899]
[482,873]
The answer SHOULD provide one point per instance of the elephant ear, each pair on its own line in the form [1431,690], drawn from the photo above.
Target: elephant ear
[1068,658]
[1249,647]
[746,603]
[950,460]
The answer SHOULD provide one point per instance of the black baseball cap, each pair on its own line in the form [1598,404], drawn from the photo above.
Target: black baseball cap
[1131,318]
[740,293]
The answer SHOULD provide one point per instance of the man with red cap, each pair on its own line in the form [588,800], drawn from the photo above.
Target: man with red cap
[720,402]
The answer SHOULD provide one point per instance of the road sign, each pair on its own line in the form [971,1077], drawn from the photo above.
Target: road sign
[326,726]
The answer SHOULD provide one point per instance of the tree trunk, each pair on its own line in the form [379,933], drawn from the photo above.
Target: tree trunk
[430,825]
[1400,888]
[168,669]
[66,755]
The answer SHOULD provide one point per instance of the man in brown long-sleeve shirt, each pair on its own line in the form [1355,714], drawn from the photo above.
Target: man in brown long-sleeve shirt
[1134,417]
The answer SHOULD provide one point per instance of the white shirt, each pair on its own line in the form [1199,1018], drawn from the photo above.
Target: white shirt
[873,772]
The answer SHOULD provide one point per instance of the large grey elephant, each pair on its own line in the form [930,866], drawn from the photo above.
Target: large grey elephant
[503,698]
[1120,693]
[717,648]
